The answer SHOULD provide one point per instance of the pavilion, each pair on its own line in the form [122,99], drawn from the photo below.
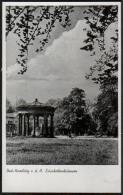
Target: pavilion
[34,112]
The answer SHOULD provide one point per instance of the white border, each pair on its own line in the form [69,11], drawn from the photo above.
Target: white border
[59,3]
[92,178]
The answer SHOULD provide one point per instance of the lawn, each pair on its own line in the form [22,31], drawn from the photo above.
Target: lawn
[53,151]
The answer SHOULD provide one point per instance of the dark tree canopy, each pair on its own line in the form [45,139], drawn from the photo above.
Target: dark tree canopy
[71,114]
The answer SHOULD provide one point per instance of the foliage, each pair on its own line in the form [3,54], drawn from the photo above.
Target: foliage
[104,72]
[31,22]
[74,106]
[98,18]
[58,115]
[113,125]
[21,101]
[53,102]
[9,107]
[105,111]
[72,115]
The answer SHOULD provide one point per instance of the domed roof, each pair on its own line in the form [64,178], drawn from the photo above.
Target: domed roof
[35,103]
[35,107]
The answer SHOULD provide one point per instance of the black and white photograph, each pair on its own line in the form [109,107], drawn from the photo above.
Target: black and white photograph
[62,84]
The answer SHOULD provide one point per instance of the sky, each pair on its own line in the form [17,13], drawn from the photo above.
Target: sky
[53,73]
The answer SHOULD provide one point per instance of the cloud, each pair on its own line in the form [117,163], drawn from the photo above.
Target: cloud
[57,58]
[12,71]
[62,67]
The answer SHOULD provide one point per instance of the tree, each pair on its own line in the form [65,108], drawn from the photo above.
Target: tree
[105,68]
[104,72]
[20,102]
[99,19]
[31,22]
[9,107]
[53,102]
[72,114]
[73,111]
[105,111]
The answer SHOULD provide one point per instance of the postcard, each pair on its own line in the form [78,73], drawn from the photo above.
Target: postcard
[61,104]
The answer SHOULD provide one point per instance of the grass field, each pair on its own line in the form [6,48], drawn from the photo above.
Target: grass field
[53,151]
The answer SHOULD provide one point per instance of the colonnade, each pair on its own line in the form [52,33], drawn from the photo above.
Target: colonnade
[24,124]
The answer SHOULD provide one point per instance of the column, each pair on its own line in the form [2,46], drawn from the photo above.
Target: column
[37,121]
[45,125]
[23,125]
[51,126]
[27,128]
[18,132]
[34,125]
[42,126]
[19,124]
